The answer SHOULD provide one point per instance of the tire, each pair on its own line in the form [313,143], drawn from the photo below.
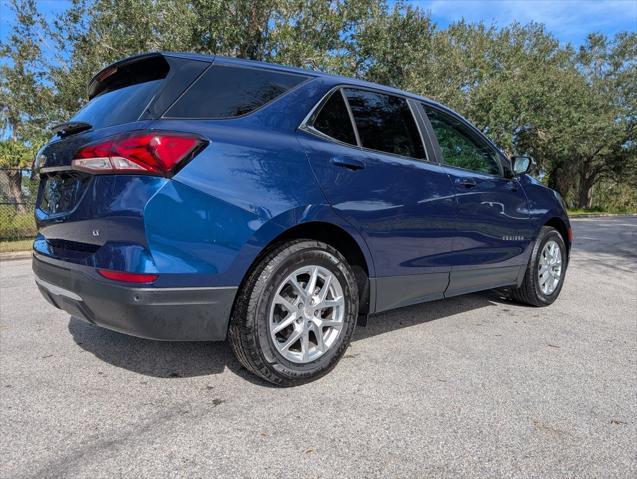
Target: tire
[531,291]
[259,311]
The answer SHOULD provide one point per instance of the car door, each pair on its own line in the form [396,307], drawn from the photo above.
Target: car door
[493,232]
[366,150]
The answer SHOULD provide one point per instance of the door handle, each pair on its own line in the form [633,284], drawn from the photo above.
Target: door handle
[466,182]
[346,162]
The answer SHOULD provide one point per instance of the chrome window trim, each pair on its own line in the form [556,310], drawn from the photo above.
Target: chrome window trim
[306,124]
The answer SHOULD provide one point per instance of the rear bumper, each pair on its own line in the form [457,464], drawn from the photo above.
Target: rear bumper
[168,314]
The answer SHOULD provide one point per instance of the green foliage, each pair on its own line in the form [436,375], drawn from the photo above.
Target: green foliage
[573,110]
[24,94]
[14,225]
[616,197]
[15,153]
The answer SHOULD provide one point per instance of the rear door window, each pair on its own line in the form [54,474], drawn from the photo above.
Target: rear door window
[459,146]
[226,92]
[385,123]
[333,120]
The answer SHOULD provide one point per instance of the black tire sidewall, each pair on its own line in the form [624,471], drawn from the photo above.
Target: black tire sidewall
[553,235]
[284,265]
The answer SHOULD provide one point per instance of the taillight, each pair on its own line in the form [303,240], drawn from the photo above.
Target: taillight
[149,153]
[128,277]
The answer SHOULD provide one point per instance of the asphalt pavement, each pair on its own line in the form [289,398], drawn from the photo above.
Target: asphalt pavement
[467,387]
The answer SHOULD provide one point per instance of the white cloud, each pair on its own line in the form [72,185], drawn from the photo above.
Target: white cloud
[569,20]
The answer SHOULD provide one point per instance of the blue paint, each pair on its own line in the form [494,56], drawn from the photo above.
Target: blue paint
[260,176]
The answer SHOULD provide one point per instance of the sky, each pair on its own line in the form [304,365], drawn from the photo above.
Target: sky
[569,20]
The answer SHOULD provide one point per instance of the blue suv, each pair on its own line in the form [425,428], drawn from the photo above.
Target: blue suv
[199,198]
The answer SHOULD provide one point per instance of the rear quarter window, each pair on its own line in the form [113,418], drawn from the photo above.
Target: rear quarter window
[333,120]
[226,92]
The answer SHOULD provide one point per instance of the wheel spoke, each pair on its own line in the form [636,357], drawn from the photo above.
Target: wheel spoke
[299,289]
[332,324]
[289,319]
[325,289]
[320,342]
[331,303]
[278,299]
[305,344]
[311,284]
[294,337]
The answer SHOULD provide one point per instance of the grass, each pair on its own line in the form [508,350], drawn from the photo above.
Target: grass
[17,245]
[579,211]
[14,224]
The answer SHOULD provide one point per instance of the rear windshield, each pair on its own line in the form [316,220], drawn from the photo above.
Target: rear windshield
[226,92]
[118,106]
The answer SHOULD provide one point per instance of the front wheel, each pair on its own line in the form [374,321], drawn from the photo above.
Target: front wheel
[295,314]
[545,273]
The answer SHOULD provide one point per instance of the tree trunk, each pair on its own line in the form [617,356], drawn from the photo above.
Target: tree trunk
[15,188]
[585,193]
[560,181]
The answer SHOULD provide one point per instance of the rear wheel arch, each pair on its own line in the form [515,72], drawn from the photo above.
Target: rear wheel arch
[338,238]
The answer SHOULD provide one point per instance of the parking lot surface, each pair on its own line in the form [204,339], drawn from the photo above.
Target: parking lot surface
[473,386]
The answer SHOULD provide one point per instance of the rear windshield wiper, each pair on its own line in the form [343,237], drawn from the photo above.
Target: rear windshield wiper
[70,127]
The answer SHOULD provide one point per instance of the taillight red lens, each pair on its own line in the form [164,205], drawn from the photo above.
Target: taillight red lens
[128,277]
[155,153]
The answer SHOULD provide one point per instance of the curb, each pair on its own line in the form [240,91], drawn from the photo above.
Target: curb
[602,215]
[15,255]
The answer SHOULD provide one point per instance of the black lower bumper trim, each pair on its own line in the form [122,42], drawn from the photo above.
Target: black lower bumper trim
[168,314]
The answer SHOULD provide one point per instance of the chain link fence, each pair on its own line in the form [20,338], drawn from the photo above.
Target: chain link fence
[18,192]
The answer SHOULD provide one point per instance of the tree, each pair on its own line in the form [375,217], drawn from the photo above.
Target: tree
[607,147]
[24,95]
[573,110]
[91,34]
[394,47]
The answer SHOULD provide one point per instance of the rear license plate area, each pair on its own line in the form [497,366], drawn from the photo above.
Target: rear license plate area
[60,192]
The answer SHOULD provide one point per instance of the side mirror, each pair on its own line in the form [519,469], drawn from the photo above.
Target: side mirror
[522,164]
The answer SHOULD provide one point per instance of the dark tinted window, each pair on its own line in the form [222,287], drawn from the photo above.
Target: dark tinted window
[118,106]
[459,146]
[224,92]
[334,120]
[385,123]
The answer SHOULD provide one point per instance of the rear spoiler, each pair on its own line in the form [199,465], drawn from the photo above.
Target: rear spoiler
[131,70]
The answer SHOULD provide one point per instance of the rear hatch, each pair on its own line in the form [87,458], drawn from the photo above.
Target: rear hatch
[76,201]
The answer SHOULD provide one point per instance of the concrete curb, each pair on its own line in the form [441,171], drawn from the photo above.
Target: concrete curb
[15,255]
[602,215]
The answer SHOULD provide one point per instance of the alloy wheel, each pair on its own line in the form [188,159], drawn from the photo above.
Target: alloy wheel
[550,267]
[306,316]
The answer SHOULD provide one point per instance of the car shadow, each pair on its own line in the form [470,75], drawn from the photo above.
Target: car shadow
[161,359]
[426,312]
[173,359]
